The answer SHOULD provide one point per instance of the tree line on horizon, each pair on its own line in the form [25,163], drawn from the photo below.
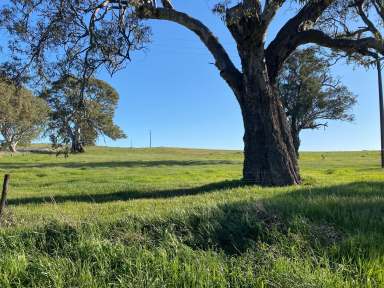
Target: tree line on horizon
[309,92]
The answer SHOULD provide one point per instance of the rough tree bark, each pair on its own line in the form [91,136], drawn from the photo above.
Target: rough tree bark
[269,154]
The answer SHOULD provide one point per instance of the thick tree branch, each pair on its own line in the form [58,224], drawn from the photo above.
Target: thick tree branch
[362,45]
[246,25]
[270,9]
[226,67]
[286,40]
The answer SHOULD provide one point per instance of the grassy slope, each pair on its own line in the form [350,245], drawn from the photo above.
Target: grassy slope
[179,218]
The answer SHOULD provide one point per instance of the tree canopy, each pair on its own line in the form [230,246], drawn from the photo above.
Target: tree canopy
[310,94]
[78,119]
[22,115]
[91,33]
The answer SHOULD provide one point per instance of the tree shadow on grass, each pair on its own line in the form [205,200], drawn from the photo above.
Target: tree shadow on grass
[297,226]
[345,220]
[355,208]
[116,164]
[43,151]
[130,195]
[350,206]
[348,217]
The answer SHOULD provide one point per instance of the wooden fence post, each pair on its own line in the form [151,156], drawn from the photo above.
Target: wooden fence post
[3,200]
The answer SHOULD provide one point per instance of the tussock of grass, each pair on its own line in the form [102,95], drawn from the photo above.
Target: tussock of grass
[180,218]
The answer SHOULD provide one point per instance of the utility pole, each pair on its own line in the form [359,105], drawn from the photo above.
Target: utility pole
[381,101]
[150,138]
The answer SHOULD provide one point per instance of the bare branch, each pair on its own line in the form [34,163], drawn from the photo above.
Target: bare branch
[366,20]
[379,8]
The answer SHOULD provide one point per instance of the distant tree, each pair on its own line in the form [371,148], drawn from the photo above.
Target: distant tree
[22,115]
[80,112]
[310,94]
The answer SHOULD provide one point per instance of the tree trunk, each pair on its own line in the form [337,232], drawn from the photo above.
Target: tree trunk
[9,140]
[269,155]
[77,147]
[296,140]
[77,144]
[12,147]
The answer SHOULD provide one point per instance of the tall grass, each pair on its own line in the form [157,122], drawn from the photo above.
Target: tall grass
[181,218]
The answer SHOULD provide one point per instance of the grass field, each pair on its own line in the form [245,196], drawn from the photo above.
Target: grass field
[180,218]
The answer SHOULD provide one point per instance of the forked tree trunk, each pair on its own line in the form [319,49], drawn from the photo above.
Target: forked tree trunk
[9,140]
[12,147]
[269,155]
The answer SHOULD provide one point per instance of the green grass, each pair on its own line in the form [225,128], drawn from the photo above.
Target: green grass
[180,218]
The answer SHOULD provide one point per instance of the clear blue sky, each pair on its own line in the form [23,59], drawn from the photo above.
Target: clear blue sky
[173,90]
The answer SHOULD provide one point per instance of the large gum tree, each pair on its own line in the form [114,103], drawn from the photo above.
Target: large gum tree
[88,34]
